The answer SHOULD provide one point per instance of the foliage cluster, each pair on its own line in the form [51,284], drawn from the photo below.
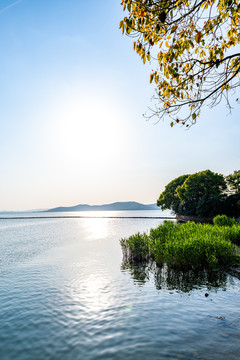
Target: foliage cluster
[193,47]
[203,194]
[233,181]
[224,220]
[186,246]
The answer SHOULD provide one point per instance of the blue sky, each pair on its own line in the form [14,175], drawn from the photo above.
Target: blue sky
[72,94]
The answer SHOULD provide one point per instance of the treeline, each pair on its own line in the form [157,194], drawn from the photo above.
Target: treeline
[203,194]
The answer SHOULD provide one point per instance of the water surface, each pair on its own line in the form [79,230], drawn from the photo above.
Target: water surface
[66,294]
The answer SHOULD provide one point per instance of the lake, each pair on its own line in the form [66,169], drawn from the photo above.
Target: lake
[65,293]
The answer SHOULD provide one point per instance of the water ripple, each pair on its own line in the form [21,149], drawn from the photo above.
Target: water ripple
[64,295]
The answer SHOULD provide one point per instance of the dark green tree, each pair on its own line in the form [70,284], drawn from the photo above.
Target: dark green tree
[232,205]
[233,181]
[203,194]
[169,198]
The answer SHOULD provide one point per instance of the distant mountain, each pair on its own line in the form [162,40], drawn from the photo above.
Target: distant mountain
[117,206]
[22,211]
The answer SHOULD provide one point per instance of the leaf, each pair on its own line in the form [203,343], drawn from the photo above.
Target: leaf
[162,16]
[198,37]
[174,28]
[190,44]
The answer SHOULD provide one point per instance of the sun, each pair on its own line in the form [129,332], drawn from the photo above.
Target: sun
[86,131]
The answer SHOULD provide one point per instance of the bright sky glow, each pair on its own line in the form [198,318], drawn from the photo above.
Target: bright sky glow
[72,96]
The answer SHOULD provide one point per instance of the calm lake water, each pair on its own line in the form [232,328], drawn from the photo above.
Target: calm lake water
[66,294]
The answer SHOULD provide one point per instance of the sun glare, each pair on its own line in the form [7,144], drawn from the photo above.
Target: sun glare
[96,228]
[86,130]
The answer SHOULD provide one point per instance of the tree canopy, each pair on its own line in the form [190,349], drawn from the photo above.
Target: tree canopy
[201,194]
[233,181]
[169,198]
[193,47]
[233,200]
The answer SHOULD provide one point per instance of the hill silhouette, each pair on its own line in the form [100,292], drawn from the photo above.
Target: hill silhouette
[117,206]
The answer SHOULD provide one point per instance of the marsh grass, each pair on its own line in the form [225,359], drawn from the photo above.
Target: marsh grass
[186,246]
[136,247]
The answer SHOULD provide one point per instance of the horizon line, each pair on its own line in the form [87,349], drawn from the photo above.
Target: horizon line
[62,206]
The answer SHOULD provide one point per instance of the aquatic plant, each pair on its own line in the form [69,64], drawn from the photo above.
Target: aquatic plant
[232,233]
[186,246]
[157,240]
[136,247]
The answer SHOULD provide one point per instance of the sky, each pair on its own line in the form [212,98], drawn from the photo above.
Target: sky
[72,95]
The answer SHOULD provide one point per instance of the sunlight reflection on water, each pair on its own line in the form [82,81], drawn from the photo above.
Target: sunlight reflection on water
[96,228]
[65,294]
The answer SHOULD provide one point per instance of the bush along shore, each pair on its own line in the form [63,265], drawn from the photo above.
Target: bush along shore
[189,246]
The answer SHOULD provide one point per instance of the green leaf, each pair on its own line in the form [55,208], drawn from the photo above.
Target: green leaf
[194,116]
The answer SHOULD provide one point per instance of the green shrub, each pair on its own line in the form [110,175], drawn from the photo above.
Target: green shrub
[187,246]
[223,220]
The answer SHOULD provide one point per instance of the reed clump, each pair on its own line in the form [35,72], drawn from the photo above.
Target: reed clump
[186,246]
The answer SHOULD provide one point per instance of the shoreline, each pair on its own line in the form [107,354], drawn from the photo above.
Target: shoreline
[234,272]
[87,217]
